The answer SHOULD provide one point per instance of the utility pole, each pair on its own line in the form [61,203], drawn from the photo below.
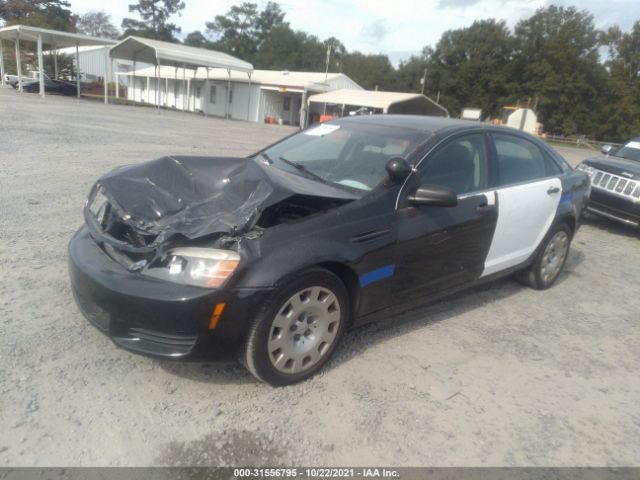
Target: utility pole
[326,71]
[423,80]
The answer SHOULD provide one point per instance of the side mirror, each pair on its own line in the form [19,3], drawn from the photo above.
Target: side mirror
[398,169]
[434,196]
[606,149]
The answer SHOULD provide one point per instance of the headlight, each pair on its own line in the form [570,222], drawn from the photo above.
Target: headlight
[99,204]
[586,169]
[201,267]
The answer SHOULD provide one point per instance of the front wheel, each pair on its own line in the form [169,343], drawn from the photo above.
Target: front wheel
[551,259]
[298,328]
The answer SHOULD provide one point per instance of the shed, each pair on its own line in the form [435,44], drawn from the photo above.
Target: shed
[165,54]
[156,52]
[385,102]
[54,39]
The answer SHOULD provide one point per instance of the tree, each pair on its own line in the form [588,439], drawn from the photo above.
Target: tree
[556,62]
[620,115]
[235,32]
[155,15]
[97,24]
[54,14]
[409,73]
[470,67]
[244,30]
[338,52]
[271,17]
[370,71]
[624,51]
[64,61]
[196,39]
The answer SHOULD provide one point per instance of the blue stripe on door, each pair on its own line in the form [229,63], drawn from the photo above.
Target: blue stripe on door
[377,274]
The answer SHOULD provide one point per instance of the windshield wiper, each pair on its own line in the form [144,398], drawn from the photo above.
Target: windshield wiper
[300,167]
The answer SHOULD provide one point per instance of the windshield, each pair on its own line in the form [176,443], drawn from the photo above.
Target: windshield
[351,155]
[630,151]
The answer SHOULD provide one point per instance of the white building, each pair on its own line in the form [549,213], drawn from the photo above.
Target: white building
[265,95]
[93,63]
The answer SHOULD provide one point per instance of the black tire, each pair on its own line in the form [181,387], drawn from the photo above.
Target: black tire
[537,275]
[255,354]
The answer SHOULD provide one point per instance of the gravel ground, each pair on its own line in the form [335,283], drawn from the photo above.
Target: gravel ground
[502,375]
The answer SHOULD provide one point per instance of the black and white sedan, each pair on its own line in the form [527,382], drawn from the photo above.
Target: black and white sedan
[270,258]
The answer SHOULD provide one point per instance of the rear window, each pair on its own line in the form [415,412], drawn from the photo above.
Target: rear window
[520,160]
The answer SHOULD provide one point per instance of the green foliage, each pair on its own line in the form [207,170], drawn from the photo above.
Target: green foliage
[556,60]
[470,67]
[286,49]
[155,15]
[196,39]
[370,71]
[551,60]
[53,14]
[65,65]
[97,24]
[244,30]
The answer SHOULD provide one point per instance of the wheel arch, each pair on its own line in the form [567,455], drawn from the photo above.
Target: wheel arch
[569,220]
[351,282]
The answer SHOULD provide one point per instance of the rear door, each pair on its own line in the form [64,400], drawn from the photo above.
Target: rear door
[528,192]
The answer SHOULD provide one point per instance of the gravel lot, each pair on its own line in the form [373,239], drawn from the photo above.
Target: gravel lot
[503,375]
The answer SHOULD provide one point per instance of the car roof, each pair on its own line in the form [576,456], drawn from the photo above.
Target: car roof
[422,123]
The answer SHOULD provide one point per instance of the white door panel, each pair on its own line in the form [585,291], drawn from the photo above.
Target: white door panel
[525,213]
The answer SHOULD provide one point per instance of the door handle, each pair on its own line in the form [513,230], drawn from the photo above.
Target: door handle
[553,190]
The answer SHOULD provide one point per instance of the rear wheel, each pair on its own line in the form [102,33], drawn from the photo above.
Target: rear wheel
[551,259]
[298,328]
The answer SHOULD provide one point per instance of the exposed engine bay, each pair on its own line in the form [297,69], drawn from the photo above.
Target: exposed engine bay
[296,208]
[138,213]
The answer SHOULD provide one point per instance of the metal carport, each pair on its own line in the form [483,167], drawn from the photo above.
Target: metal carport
[158,53]
[388,102]
[54,39]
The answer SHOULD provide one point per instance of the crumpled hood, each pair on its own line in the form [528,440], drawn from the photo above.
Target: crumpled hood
[199,196]
[615,165]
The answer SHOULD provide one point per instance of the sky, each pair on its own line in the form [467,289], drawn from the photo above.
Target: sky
[398,28]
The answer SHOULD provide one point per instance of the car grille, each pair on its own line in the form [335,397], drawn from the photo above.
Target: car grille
[157,343]
[615,184]
[175,340]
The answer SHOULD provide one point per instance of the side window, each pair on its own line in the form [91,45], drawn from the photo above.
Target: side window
[519,160]
[461,165]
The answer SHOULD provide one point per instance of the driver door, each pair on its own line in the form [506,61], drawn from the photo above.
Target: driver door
[443,247]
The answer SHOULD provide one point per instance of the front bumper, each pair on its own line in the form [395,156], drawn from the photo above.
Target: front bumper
[614,207]
[154,317]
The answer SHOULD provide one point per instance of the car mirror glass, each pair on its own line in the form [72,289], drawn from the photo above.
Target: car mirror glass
[434,196]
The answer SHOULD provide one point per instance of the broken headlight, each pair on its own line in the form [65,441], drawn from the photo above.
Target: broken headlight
[98,204]
[200,267]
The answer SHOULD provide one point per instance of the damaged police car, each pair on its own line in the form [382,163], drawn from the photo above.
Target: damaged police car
[270,258]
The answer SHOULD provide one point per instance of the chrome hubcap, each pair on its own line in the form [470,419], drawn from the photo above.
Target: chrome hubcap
[553,257]
[304,329]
